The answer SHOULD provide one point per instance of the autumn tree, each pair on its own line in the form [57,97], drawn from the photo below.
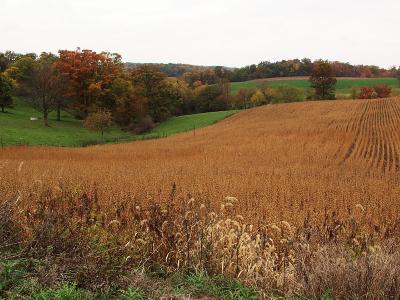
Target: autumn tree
[130,104]
[258,98]
[205,75]
[150,78]
[99,121]
[225,96]
[184,94]
[323,80]
[43,84]
[161,98]
[21,71]
[210,98]
[7,59]
[243,97]
[5,92]
[89,76]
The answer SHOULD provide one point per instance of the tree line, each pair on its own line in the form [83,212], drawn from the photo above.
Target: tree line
[322,87]
[100,88]
[284,68]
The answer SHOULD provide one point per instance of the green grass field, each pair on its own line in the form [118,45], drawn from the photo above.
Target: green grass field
[189,122]
[17,129]
[343,87]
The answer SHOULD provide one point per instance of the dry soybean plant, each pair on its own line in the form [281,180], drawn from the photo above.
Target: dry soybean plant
[95,246]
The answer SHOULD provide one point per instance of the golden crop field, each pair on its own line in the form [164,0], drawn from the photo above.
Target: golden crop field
[295,199]
[283,162]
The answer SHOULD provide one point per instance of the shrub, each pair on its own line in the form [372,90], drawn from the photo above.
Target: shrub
[367,92]
[258,98]
[378,91]
[144,125]
[287,94]
[382,90]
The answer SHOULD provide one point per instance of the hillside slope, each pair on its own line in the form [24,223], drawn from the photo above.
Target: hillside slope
[16,128]
[283,162]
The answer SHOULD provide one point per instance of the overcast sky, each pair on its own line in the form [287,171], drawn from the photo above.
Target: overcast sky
[208,32]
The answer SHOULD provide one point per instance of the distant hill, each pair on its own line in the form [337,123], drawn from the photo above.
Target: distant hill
[172,69]
[266,69]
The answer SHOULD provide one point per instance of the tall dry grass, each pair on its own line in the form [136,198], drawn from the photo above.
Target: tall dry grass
[84,242]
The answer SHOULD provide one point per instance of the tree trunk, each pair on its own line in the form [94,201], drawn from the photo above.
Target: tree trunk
[2,109]
[58,112]
[46,118]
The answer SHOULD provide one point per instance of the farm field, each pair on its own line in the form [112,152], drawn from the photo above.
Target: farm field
[343,87]
[16,128]
[283,162]
[264,196]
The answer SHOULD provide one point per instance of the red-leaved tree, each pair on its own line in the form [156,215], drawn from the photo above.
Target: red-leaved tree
[89,75]
[382,90]
[367,92]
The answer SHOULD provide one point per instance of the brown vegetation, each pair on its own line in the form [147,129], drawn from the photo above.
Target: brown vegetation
[283,162]
[314,192]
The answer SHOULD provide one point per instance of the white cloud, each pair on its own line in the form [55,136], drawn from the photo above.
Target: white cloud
[210,32]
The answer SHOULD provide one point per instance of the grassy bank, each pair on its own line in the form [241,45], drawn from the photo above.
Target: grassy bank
[16,128]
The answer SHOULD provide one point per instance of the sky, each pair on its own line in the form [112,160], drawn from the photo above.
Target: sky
[209,32]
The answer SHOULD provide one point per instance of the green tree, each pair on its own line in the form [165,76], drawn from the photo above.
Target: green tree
[129,102]
[162,98]
[21,71]
[323,80]
[7,58]
[42,83]
[164,104]
[5,93]
[210,98]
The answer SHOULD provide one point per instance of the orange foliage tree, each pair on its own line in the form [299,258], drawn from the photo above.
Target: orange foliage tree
[90,76]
